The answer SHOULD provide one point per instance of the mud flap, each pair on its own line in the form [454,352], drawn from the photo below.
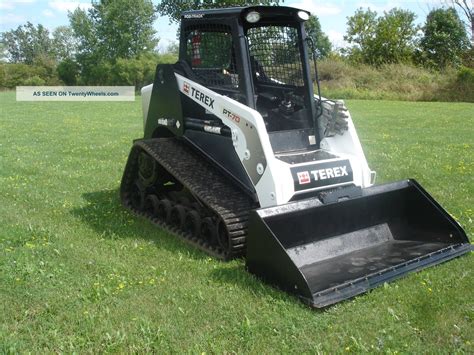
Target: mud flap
[326,253]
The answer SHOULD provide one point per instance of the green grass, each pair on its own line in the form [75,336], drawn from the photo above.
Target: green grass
[80,273]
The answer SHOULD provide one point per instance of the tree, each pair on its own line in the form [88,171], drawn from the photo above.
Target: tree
[173,8]
[173,48]
[27,43]
[379,40]
[468,12]
[88,53]
[444,38]
[64,44]
[3,52]
[68,71]
[114,29]
[125,27]
[361,28]
[320,39]
[395,37]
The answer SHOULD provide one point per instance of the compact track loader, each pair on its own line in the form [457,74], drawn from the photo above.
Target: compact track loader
[241,158]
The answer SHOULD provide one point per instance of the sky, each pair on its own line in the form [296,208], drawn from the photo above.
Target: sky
[332,14]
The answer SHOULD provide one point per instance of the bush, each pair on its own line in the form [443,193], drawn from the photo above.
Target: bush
[464,84]
[96,74]
[468,58]
[466,75]
[68,71]
[12,75]
[136,72]
[340,79]
[139,71]
[34,81]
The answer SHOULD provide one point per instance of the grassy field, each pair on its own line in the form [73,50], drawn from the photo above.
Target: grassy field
[80,273]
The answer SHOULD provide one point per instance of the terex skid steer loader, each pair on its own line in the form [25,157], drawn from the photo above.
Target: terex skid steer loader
[240,158]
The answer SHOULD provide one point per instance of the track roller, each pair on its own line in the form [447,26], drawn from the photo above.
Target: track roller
[208,230]
[164,210]
[222,236]
[177,216]
[169,183]
[151,204]
[192,223]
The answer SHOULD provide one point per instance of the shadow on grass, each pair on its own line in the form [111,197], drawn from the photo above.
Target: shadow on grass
[105,214]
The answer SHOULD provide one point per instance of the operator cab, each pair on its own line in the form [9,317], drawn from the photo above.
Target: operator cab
[259,57]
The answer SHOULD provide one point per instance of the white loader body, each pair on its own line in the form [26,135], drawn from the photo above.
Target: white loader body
[276,182]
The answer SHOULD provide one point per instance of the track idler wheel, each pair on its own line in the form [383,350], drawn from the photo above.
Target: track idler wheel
[178,216]
[146,169]
[137,196]
[192,223]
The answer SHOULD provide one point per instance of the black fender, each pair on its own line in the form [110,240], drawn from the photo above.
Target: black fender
[165,113]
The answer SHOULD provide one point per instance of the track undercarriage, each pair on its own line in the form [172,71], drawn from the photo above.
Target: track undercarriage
[171,185]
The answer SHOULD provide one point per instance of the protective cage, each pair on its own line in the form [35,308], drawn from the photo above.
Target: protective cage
[328,253]
[275,55]
[211,56]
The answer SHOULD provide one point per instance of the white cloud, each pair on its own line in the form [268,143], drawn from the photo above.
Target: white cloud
[378,7]
[12,19]
[10,4]
[48,13]
[64,6]
[6,6]
[316,8]
[434,2]
[381,6]
[337,38]
[164,43]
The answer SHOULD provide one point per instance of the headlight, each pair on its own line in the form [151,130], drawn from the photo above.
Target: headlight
[252,17]
[303,15]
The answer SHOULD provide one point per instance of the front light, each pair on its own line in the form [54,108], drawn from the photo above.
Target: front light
[253,17]
[303,15]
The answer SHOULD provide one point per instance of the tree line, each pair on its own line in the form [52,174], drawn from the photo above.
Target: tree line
[114,42]
[394,38]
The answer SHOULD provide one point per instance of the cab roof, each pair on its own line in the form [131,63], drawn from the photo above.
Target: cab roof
[269,13]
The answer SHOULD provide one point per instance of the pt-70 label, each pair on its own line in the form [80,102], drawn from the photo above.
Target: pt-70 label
[322,174]
[231,115]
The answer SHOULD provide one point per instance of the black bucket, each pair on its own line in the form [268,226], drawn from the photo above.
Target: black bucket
[326,253]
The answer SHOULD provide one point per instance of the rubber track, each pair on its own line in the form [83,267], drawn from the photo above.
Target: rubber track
[204,181]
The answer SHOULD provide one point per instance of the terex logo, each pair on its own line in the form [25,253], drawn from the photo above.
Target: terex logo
[200,96]
[231,115]
[322,174]
[186,88]
[303,177]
